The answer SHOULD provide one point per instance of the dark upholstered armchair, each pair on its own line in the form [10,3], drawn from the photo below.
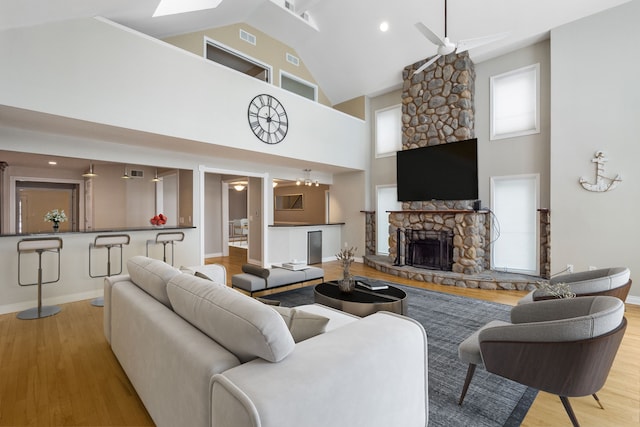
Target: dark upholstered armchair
[614,282]
[561,346]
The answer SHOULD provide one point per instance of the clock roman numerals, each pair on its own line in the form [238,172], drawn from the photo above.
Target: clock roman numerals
[268,119]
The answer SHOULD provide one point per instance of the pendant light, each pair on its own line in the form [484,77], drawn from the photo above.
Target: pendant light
[90,173]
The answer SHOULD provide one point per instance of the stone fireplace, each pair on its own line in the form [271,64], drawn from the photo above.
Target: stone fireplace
[468,230]
[438,108]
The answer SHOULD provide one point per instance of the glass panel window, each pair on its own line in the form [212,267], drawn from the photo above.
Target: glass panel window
[515,103]
[388,131]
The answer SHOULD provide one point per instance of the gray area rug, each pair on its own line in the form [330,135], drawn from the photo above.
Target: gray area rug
[448,319]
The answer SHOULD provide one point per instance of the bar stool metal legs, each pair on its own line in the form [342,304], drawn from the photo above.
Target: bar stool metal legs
[107,241]
[166,238]
[39,246]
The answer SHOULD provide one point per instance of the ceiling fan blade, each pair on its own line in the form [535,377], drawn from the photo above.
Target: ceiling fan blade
[426,64]
[464,45]
[430,34]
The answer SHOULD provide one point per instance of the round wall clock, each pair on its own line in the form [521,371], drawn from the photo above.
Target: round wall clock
[268,119]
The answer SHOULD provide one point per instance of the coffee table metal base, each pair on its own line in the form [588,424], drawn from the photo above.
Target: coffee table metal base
[361,302]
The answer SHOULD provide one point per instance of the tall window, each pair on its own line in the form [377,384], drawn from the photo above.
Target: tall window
[514,201]
[388,131]
[515,103]
[387,200]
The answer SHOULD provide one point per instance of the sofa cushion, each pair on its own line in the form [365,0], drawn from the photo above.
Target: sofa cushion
[282,276]
[256,271]
[242,325]
[302,324]
[152,276]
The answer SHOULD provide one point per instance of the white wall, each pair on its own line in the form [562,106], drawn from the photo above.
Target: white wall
[97,71]
[594,99]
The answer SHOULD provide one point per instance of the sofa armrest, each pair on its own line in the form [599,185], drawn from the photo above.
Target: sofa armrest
[109,282]
[371,372]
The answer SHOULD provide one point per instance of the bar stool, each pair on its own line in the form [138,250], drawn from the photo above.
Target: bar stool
[107,241]
[39,245]
[166,238]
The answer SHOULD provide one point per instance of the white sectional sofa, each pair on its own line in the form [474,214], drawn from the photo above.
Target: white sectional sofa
[200,353]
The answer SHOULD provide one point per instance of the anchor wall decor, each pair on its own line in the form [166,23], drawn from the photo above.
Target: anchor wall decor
[602,183]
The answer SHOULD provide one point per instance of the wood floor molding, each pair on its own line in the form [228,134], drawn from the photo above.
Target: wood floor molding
[60,371]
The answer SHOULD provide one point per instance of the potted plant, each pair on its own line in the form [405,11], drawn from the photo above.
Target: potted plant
[56,217]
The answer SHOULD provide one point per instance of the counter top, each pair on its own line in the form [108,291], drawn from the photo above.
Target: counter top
[295,224]
[102,230]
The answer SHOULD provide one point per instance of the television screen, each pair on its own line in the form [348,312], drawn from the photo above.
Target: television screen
[438,172]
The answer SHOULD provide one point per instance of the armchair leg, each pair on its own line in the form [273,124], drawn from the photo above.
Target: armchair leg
[470,371]
[569,409]
[595,396]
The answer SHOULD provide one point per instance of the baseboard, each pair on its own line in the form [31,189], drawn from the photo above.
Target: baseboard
[62,299]
[633,300]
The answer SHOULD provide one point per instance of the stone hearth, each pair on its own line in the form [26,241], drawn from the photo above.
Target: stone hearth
[488,279]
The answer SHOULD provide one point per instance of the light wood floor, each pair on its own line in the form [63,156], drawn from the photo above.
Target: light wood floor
[60,371]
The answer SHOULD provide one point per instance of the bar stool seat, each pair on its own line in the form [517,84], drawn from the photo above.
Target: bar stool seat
[166,238]
[107,241]
[39,246]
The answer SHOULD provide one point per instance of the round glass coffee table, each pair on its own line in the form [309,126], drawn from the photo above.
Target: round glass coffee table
[362,301]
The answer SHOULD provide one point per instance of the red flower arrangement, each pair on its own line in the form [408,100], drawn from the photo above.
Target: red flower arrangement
[159,219]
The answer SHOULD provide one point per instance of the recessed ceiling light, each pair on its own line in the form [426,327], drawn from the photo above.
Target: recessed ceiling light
[52,163]
[174,7]
[384,26]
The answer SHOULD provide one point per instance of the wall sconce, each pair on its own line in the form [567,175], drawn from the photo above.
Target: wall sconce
[90,173]
[155,177]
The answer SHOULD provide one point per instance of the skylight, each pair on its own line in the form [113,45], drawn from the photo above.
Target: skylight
[174,7]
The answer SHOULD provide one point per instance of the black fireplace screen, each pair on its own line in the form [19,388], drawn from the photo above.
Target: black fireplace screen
[429,249]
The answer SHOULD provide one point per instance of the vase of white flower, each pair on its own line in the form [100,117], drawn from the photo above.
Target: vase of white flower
[347,284]
[55,217]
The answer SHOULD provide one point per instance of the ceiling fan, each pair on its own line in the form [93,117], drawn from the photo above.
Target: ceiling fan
[445,46]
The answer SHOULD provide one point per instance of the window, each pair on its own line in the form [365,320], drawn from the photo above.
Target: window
[298,86]
[388,131]
[514,201]
[231,58]
[387,200]
[515,103]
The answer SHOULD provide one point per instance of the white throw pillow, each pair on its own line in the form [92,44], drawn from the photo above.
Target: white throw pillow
[244,326]
[302,325]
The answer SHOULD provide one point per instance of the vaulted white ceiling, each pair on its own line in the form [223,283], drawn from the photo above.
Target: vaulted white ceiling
[346,52]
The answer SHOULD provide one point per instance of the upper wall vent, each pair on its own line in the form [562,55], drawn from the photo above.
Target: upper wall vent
[292,59]
[248,37]
[136,174]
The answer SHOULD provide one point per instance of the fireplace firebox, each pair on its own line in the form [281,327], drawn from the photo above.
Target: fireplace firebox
[429,249]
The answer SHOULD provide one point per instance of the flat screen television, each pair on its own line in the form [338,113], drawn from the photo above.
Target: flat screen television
[438,172]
